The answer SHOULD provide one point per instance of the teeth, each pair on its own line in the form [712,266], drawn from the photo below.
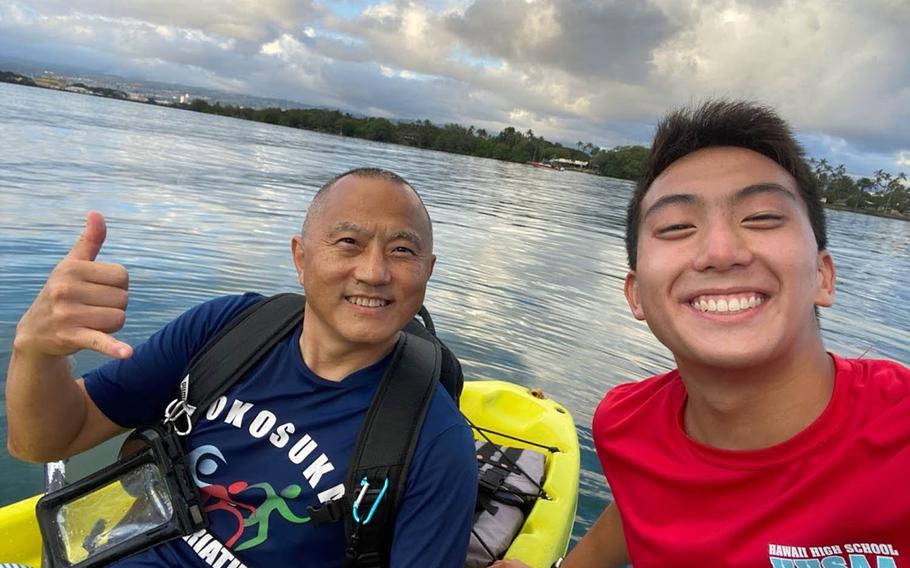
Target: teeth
[726,305]
[367,302]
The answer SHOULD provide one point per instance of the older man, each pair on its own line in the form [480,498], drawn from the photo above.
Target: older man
[281,438]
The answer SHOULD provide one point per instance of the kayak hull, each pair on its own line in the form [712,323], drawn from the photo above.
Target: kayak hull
[514,410]
[20,540]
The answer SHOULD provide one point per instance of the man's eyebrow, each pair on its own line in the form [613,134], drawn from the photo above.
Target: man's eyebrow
[672,199]
[343,226]
[762,188]
[407,235]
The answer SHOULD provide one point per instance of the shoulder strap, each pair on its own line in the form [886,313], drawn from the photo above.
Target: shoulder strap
[450,375]
[378,472]
[237,347]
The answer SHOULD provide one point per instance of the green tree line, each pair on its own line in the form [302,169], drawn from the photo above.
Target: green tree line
[510,144]
[882,193]
[624,162]
[10,77]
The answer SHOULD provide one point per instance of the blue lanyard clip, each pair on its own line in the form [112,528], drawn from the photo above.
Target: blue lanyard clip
[364,486]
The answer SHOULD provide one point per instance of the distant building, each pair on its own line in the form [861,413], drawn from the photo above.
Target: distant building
[185,99]
[137,97]
[570,163]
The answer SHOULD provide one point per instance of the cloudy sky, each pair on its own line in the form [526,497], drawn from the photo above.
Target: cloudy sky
[600,71]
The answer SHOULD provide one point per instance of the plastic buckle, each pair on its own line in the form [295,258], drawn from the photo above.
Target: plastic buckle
[330,512]
[491,480]
[369,559]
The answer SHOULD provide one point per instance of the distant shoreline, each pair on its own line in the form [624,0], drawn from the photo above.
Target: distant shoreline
[623,162]
[509,145]
[872,212]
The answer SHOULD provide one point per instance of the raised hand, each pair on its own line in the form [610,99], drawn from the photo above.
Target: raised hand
[82,303]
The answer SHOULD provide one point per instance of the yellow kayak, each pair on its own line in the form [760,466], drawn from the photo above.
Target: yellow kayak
[20,541]
[511,409]
[491,405]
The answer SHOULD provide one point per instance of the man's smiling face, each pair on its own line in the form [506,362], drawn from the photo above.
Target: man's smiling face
[728,270]
[364,262]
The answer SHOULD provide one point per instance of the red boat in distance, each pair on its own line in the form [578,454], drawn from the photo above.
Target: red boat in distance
[546,165]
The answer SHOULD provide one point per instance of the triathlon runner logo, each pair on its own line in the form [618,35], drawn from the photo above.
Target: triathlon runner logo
[204,460]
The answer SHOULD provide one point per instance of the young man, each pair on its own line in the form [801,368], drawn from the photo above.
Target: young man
[281,438]
[760,449]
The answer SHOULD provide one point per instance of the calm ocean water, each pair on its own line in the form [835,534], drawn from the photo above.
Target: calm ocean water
[527,288]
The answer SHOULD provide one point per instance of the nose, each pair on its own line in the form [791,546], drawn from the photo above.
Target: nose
[722,246]
[373,267]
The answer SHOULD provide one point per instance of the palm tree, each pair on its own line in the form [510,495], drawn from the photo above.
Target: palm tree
[895,185]
[862,186]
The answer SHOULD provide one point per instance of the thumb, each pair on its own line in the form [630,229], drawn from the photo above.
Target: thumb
[89,243]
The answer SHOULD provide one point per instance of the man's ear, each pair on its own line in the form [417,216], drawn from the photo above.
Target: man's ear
[827,275]
[297,255]
[432,265]
[631,291]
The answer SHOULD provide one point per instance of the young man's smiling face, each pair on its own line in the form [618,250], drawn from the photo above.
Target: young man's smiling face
[364,262]
[728,269]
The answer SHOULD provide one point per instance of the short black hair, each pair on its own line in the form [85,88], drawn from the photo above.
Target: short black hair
[725,123]
[316,203]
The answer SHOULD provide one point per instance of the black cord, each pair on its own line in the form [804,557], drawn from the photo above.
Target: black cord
[507,458]
[551,449]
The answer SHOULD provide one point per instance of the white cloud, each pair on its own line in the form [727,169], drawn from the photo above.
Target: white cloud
[241,20]
[381,11]
[272,48]
[518,115]
[12,14]
[840,70]
[599,70]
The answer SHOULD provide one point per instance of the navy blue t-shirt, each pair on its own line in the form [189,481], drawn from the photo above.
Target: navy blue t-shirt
[280,440]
